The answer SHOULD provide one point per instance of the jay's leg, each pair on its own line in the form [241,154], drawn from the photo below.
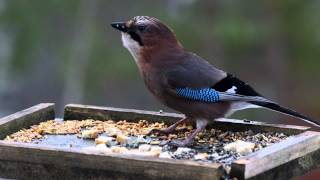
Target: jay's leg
[168,130]
[201,125]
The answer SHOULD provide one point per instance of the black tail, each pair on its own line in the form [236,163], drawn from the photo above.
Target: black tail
[276,107]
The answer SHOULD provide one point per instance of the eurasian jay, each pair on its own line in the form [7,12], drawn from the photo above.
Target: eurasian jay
[184,81]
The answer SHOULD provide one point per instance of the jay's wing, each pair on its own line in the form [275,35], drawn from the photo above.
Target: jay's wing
[223,90]
[196,80]
[193,72]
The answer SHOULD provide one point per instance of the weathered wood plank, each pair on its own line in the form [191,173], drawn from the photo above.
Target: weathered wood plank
[69,162]
[77,111]
[294,168]
[26,118]
[301,152]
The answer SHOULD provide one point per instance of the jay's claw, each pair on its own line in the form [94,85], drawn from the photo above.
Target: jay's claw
[165,131]
[158,131]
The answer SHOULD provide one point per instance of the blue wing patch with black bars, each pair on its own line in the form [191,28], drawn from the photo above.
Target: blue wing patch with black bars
[204,94]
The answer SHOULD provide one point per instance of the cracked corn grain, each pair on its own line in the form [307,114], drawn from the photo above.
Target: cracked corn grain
[37,132]
[50,127]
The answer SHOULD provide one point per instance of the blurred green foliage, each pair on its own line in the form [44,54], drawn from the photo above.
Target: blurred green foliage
[274,45]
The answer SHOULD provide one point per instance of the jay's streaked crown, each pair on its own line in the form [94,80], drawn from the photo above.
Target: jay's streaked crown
[144,29]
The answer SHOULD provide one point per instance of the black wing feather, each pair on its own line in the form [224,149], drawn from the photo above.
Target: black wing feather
[284,110]
[242,88]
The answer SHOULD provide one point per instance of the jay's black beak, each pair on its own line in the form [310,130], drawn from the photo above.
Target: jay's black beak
[121,26]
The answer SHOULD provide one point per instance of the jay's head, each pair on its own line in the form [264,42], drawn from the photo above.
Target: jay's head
[143,32]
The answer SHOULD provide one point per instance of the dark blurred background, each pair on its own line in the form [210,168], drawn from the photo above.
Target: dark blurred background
[66,52]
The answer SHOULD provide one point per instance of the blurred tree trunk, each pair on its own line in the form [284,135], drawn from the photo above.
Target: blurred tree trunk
[5,53]
[276,57]
[79,55]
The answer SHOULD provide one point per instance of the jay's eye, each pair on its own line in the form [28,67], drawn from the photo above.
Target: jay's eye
[141,28]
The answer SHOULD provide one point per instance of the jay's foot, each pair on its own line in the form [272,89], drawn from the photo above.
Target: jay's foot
[169,130]
[159,131]
[165,131]
[201,124]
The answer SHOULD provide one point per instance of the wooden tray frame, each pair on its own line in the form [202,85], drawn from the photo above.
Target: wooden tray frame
[294,156]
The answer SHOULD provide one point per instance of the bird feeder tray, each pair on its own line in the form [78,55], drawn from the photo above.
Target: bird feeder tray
[291,157]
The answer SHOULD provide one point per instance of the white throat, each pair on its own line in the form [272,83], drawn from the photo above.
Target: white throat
[133,46]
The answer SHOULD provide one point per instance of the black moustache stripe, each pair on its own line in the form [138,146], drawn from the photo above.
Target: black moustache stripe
[135,37]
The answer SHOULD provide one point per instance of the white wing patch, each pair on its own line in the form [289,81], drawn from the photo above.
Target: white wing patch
[232,90]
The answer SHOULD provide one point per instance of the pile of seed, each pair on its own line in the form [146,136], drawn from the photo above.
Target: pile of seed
[225,146]
[212,145]
[53,127]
